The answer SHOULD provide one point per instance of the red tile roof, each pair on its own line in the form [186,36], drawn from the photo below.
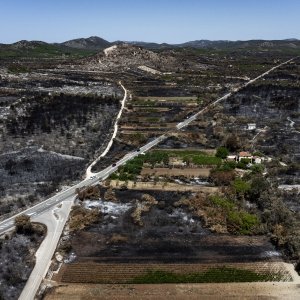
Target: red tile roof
[244,154]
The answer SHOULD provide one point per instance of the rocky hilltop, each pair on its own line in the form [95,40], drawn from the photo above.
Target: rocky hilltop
[126,56]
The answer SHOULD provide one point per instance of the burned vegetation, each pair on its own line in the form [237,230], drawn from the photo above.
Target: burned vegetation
[51,128]
[17,256]
[208,197]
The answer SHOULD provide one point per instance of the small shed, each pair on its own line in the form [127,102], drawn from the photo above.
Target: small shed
[251,126]
[231,157]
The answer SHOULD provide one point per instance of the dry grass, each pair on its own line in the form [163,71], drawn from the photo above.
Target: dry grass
[118,238]
[147,202]
[163,186]
[81,217]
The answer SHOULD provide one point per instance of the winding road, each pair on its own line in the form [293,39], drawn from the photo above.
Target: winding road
[89,172]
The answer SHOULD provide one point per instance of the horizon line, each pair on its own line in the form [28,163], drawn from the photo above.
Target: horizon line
[153,42]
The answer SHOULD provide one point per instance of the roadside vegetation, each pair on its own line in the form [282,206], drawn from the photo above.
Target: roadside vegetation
[81,217]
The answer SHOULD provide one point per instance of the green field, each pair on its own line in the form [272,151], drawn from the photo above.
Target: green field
[134,167]
[213,275]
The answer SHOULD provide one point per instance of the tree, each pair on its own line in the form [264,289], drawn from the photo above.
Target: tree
[23,224]
[222,152]
[241,186]
[259,184]
[257,169]
[232,143]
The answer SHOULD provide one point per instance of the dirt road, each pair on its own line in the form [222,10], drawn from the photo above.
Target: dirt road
[214,291]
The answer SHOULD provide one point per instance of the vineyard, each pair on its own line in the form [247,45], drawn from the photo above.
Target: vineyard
[171,273]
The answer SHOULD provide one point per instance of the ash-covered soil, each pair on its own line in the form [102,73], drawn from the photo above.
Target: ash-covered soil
[17,262]
[168,234]
[28,175]
[116,152]
[53,123]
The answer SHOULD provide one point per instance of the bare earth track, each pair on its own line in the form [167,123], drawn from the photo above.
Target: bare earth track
[238,291]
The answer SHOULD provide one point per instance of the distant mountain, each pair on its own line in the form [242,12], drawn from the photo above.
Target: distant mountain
[191,44]
[291,40]
[91,43]
[225,44]
[148,45]
[204,44]
[87,46]
[27,44]
[38,49]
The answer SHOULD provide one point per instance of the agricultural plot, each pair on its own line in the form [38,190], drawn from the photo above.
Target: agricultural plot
[173,273]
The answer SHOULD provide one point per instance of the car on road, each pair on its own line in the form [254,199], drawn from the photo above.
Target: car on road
[138,150]
[113,165]
[92,177]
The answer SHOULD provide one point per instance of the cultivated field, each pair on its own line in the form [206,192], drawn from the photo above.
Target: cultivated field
[130,273]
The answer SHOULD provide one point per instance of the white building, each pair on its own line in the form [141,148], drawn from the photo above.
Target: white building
[251,126]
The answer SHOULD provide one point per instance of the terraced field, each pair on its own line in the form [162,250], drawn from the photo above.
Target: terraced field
[145,117]
[90,272]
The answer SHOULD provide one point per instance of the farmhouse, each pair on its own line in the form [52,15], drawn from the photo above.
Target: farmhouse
[244,155]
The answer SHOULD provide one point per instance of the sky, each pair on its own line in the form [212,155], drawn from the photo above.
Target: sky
[170,21]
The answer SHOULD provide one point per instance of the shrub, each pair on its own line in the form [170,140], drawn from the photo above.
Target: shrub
[243,222]
[256,169]
[222,152]
[232,143]
[222,177]
[229,165]
[241,186]
[222,202]
[238,221]
[258,185]
[242,165]
[23,224]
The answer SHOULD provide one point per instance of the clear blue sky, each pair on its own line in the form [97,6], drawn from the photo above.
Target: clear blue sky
[172,21]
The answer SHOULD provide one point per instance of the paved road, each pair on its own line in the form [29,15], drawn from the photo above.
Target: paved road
[40,208]
[55,220]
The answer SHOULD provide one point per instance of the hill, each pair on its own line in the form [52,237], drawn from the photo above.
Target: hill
[37,49]
[91,43]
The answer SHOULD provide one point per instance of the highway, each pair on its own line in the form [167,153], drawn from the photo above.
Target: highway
[48,204]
